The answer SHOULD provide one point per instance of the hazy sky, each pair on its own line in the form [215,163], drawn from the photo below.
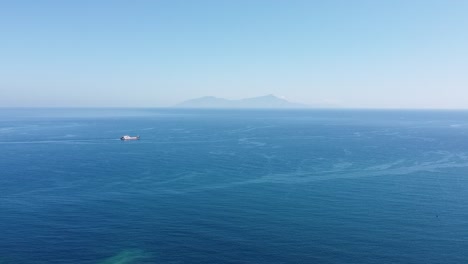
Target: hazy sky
[398,54]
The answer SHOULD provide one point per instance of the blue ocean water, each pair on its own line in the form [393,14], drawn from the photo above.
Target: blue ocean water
[245,186]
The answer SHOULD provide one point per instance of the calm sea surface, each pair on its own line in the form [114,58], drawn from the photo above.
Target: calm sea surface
[206,186]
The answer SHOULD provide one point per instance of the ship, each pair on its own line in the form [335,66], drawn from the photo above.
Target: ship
[127,137]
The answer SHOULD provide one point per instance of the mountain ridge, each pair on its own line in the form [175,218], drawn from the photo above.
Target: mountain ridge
[265,101]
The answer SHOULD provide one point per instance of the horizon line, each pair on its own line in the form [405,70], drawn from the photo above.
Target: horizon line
[232,108]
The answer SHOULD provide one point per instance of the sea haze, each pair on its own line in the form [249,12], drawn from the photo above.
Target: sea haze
[233,186]
[262,102]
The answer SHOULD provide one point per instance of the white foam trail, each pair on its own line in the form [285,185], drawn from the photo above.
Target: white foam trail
[249,141]
[63,141]
[457,160]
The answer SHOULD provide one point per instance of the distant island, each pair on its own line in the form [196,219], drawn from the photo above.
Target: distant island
[266,101]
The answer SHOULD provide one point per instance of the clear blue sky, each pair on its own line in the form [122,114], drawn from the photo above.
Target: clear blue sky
[388,53]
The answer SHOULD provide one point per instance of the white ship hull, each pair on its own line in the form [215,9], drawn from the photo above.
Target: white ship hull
[127,137]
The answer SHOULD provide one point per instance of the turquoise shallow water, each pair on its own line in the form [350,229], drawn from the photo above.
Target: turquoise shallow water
[219,186]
